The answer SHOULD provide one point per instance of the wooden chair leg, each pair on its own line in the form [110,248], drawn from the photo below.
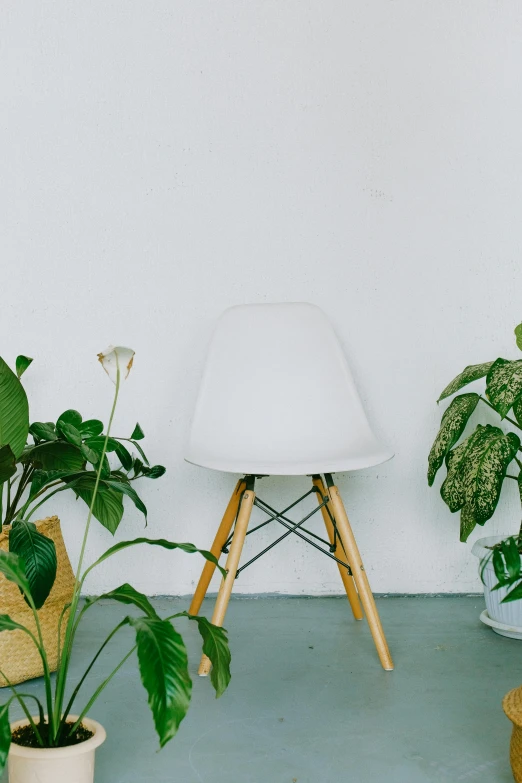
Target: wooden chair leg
[359,575]
[348,582]
[219,541]
[231,566]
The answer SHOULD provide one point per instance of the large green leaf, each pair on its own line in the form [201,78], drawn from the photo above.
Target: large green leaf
[215,647]
[108,505]
[189,548]
[126,489]
[126,594]
[39,555]
[22,363]
[5,736]
[13,569]
[69,432]
[137,433]
[471,373]
[14,411]
[163,666]
[452,426]
[156,471]
[56,455]
[123,455]
[504,385]
[7,464]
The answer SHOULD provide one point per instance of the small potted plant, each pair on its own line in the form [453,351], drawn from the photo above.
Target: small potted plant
[55,743]
[37,461]
[477,466]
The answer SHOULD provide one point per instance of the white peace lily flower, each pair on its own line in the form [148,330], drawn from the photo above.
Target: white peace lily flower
[113,357]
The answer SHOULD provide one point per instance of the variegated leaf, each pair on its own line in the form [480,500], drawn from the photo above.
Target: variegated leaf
[504,385]
[452,426]
[518,335]
[452,489]
[484,470]
[517,409]
[471,373]
[467,523]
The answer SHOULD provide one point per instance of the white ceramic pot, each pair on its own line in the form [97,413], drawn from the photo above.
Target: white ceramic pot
[505,619]
[73,764]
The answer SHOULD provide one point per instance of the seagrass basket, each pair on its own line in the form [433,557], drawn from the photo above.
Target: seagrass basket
[19,658]
[512,705]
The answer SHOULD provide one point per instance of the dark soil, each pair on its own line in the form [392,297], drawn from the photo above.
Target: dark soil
[25,736]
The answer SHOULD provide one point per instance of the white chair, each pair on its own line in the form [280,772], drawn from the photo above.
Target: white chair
[277,398]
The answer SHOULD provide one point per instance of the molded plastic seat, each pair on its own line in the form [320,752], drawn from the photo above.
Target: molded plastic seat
[277,397]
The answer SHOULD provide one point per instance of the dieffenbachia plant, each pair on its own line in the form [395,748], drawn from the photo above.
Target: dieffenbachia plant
[42,459]
[161,652]
[477,466]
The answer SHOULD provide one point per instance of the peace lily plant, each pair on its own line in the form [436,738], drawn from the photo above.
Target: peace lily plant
[162,657]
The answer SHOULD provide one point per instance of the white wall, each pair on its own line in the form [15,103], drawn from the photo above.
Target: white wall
[161,161]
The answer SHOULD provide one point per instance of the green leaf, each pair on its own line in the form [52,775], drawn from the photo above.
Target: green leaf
[156,471]
[514,595]
[126,594]
[22,363]
[97,442]
[7,624]
[504,385]
[126,489]
[452,489]
[70,433]
[123,455]
[215,647]
[137,433]
[189,548]
[43,477]
[471,373]
[137,466]
[163,667]
[58,455]
[7,464]
[452,426]
[140,450]
[43,431]
[5,736]
[70,417]
[13,569]
[108,506]
[518,335]
[14,411]
[91,428]
[39,555]
[511,556]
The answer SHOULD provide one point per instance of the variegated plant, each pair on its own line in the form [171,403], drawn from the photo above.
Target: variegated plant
[477,467]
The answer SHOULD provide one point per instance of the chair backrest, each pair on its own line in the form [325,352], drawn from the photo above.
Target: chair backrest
[277,397]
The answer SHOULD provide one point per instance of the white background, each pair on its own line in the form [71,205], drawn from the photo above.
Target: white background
[161,161]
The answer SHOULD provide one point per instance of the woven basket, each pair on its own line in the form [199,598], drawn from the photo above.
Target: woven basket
[512,705]
[19,658]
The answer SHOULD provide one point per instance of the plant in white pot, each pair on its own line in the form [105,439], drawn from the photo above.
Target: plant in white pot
[56,741]
[477,467]
[38,461]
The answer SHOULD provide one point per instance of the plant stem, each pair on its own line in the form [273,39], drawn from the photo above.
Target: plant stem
[21,697]
[61,678]
[507,418]
[85,674]
[99,689]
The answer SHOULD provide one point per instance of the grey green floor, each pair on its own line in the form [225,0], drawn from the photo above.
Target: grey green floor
[309,703]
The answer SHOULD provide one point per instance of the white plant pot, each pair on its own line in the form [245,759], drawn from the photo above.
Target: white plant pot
[73,764]
[505,619]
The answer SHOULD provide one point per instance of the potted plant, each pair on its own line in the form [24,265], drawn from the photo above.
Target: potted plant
[37,461]
[477,466]
[54,744]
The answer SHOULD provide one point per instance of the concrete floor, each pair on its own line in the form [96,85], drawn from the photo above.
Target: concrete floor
[309,703]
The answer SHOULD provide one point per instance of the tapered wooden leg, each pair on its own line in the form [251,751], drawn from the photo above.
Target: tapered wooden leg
[231,566]
[348,582]
[219,541]
[359,575]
